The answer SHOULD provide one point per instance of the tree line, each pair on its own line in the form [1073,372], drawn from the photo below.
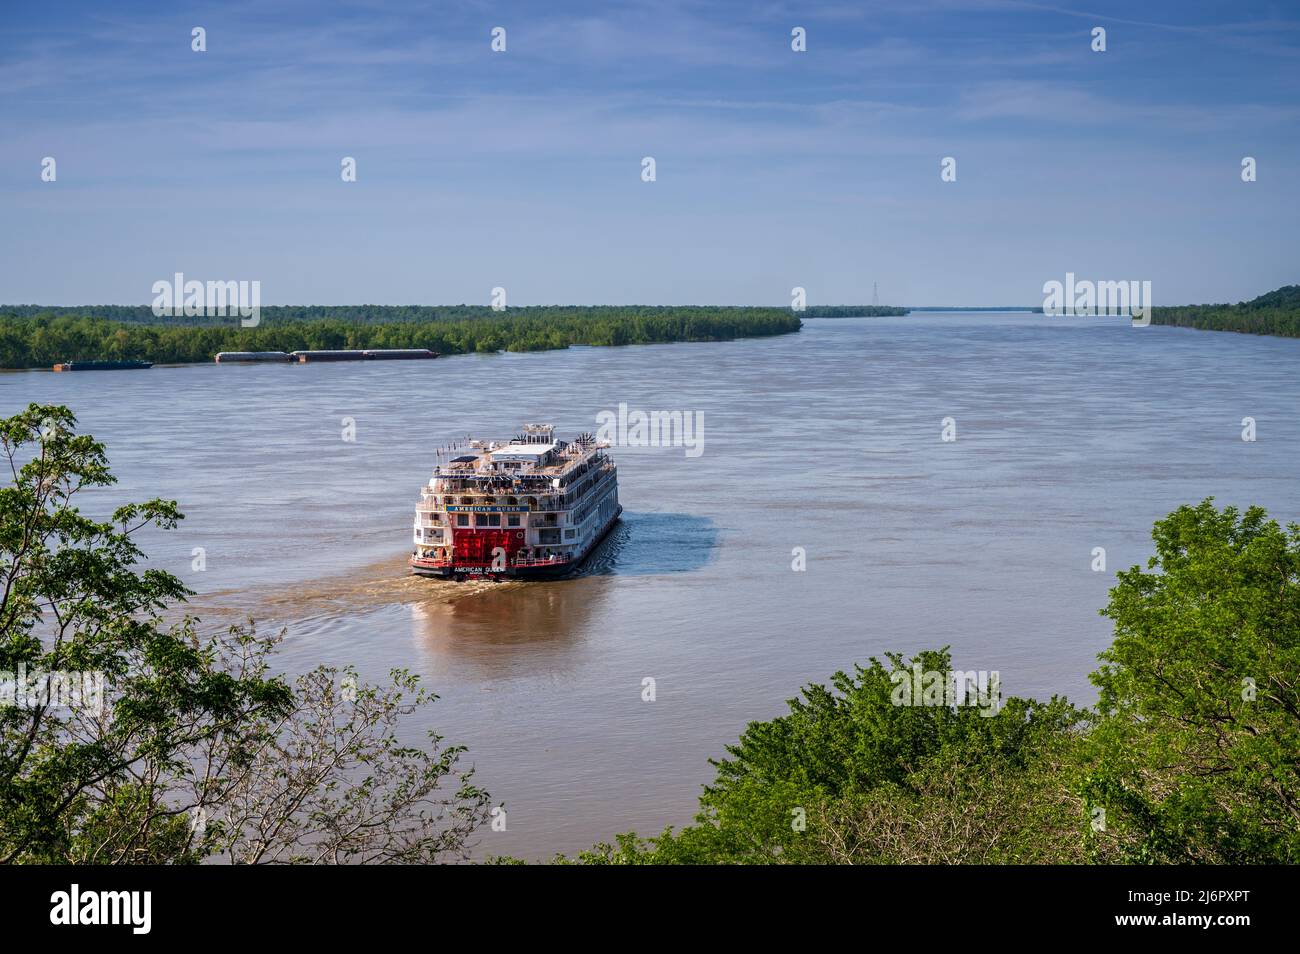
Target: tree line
[852,311]
[1274,313]
[47,338]
[388,314]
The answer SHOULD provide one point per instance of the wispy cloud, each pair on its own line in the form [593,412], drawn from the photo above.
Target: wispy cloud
[231,156]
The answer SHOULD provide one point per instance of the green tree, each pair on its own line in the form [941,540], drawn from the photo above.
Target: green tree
[1192,754]
[47,337]
[851,775]
[177,748]
[1197,755]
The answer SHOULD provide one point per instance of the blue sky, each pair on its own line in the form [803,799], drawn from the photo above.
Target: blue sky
[522,169]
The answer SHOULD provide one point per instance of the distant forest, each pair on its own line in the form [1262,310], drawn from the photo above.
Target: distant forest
[393,314]
[1276,313]
[38,336]
[852,311]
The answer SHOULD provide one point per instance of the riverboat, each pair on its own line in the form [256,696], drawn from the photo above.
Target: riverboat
[528,508]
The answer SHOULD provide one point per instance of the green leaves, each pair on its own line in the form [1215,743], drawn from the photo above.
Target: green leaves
[46,339]
[196,747]
[852,775]
[1273,313]
[1199,751]
[1192,756]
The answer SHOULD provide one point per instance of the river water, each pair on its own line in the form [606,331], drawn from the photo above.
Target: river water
[1072,433]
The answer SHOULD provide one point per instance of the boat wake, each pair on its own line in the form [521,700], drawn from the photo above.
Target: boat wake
[382,583]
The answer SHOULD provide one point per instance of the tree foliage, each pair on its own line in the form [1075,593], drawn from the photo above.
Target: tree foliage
[1274,313]
[189,747]
[1192,754]
[45,338]
[1196,757]
[849,776]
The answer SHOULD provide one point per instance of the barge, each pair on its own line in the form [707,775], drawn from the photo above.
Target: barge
[248,357]
[398,354]
[529,508]
[102,365]
[305,357]
[369,354]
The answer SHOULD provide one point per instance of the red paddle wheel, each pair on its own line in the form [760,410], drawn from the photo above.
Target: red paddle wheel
[477,546]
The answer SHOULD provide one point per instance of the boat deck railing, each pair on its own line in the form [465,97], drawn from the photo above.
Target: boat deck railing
[531,561]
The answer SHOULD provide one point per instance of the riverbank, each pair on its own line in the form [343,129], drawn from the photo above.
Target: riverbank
[49,337]
[1274,313]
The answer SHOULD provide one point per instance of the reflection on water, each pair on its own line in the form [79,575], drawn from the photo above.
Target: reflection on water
[1073,434]
[544,623]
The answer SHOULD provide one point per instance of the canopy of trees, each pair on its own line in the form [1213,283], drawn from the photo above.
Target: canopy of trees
[387,314]
[852,311]
[184,748]
[45,339]
[1192,754]
[1275,313]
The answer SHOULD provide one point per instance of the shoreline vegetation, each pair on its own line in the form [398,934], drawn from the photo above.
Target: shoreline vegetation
[37,336]
[1274,313]
[1188,757]
[40,336]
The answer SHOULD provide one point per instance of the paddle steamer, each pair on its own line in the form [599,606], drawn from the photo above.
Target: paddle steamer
[533,507]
